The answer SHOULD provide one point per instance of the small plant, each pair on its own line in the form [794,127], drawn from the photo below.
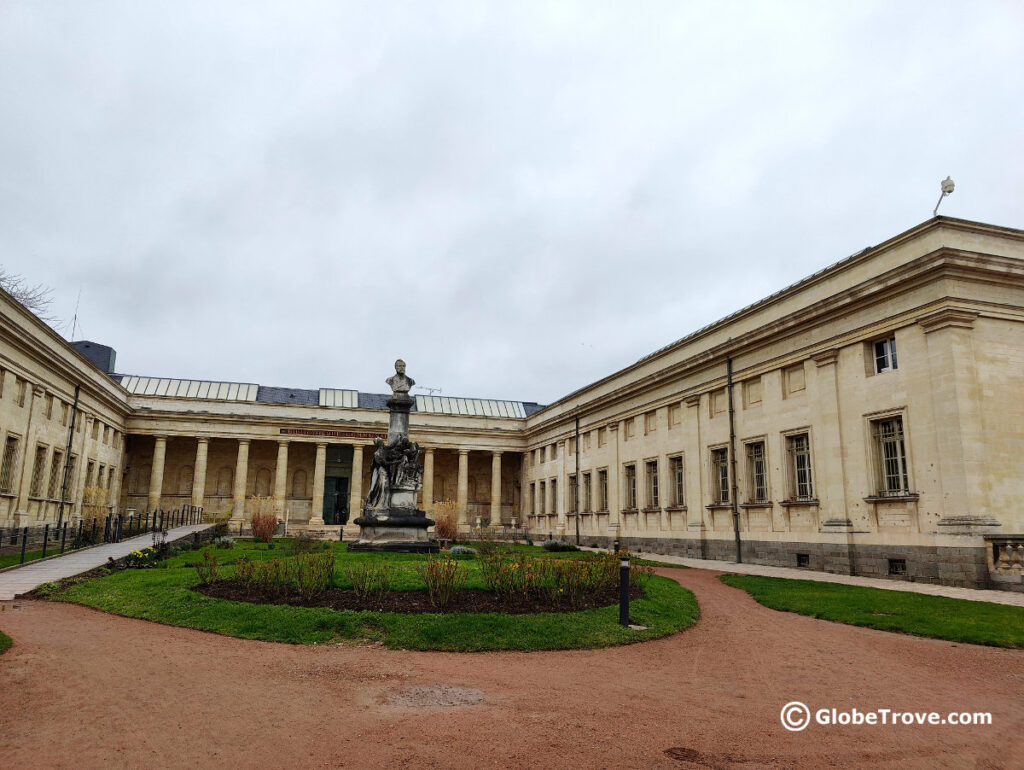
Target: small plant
[272,576]
[301,544]
[47,589]
[245,572]
[371,580]
[558,545]
[443,579]
[446,520]
[224,543]
[462,552]
[313,573]
[263,522]
[140,559]
[160,544]
[207,568]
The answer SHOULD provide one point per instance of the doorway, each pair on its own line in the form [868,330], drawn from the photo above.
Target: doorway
[335,500]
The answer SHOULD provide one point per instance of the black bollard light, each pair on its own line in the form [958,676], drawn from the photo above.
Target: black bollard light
[24,542]
[616,544]
[46,539]
[624,590]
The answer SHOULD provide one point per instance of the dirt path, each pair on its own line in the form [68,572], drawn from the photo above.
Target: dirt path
[84,689]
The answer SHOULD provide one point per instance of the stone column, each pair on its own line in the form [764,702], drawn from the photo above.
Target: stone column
[693,467]
[199,477]
[355,490]
[156,477]
[462,502]
[281,478]
[76,487]
[241,479]
[496,489]
[428,480]
[316,513]
[560,500]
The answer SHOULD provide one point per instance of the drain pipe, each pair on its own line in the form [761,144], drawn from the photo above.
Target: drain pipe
[576,480]
[67,457]
[732,462]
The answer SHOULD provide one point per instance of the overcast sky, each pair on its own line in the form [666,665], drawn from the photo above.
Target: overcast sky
[516,198]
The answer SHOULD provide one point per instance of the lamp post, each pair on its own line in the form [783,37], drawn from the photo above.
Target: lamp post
[624,590]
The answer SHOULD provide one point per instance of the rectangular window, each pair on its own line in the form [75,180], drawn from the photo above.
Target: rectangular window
[95,430]
[542,501]
[106,434]
[9,462]
[35,488]
[90,470]
[803,560]
[586,441]
[891,457]
[801,480]
[101,476]
[602,436]
[630,487]
[64,409]
[574,493]
[885,355]
[650,422]
[554,496]
[553,452]
[117,440]
[56,473]
[586,493]
[653,498]
[720,474]
[72,464]
[676,469]
[22,386]
[629,429]
[757,473]
[674,415]
[533,497]
[602,490]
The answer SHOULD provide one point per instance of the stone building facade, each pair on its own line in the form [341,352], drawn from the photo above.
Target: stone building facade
[867,419]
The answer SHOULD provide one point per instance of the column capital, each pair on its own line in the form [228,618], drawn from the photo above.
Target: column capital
[160,438]
[321,444]
[283,442]
[464,451]
[497,452]
[244,441]
[203,439]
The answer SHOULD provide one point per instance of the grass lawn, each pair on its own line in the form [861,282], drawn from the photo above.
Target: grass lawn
[163,595]
[10,559]
[5,642]
[956,620]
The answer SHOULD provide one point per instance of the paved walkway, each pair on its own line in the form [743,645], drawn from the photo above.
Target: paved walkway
[35,573]
[953,592]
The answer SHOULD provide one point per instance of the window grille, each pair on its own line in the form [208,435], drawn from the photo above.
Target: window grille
[35,488]
[678,483]
[720,474]
[891,457]
[56,465]
[631,487]
[801,477]
[7,468]
[757,470]
[652,484]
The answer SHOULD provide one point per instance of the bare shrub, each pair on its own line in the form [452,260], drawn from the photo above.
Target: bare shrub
[371,580]
[263,521]
[446,517]
[443,579]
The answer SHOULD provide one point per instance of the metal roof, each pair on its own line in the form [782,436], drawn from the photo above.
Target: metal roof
[204,389]
[271,395]
[471,406]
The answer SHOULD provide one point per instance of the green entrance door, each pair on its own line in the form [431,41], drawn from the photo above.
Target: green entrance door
[335,500]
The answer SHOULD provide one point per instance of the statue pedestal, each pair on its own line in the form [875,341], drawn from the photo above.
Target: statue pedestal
[404,532]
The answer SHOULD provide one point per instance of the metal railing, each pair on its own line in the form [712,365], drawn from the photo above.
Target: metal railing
[38,542]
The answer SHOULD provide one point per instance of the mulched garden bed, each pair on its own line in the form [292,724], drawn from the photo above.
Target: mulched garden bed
[413,602]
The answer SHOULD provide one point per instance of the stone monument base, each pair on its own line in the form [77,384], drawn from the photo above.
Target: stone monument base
[398,533]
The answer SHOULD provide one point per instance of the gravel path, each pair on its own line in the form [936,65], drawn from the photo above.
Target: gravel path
[84,689]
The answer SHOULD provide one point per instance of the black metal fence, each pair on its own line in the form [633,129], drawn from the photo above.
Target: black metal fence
[49,539]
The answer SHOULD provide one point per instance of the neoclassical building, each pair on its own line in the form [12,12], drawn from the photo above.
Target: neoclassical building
[865,420]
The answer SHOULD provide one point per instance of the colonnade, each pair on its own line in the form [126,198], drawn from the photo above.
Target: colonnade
[280,478]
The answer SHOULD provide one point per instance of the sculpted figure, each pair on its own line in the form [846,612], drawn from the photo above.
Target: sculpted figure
[380,485]
[400,384]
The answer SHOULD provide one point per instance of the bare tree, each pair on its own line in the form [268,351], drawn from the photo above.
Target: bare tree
[38,298]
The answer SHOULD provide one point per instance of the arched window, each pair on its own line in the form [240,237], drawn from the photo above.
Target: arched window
[263,482]
[224,478]
[185,480]
[299,484]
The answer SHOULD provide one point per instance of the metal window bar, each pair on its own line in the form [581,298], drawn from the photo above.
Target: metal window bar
[800,464]
[677,474]
[652,484]
[892,457]
[720,463]
[758,473]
